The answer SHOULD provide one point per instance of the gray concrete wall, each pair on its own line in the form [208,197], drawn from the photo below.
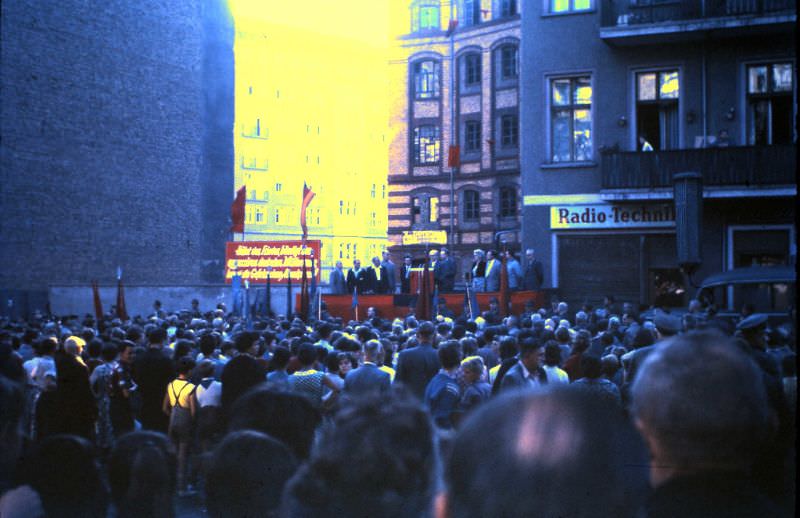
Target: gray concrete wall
[78,300]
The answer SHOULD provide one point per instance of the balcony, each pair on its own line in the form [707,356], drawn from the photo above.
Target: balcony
[633,22]
[745,166]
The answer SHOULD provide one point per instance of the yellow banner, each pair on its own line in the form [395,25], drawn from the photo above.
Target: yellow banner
[421,237]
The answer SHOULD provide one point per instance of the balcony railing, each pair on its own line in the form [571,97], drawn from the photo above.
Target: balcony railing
[636,12]
[724,166]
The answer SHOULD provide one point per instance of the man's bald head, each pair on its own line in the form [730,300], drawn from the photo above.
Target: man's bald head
[552,453]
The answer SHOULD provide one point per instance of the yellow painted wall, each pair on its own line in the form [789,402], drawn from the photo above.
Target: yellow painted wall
[313,78]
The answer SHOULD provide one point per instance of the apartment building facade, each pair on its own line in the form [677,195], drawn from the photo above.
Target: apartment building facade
[454,152]
[620,96]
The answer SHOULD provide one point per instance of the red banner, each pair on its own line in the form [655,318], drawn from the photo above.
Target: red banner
[252,259]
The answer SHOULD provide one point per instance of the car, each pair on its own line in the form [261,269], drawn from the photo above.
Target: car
[768,289]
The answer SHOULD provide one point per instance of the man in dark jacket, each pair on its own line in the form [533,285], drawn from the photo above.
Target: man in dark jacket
[377,277]
[368,379]
[357,278]
[446,272]
[152,372]
[533,277]
[418,365]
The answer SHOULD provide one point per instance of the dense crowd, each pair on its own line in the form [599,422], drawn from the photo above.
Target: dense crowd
[603,411]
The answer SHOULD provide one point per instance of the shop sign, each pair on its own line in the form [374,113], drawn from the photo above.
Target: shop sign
[605,216]
[254,260]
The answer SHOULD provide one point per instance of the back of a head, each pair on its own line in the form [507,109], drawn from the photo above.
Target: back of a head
[551,453]
[246,475]
[157,335]
[703,400]
[141,472]
[285,416]
[450,354]
[372,350]
[425,330]
[63,471]
[280,358]
[552,354]
[245,340]
[378,459]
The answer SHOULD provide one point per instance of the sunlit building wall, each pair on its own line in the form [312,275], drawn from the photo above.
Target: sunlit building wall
[311,107]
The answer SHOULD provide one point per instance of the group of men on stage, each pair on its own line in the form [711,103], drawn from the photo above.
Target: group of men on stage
[380,277]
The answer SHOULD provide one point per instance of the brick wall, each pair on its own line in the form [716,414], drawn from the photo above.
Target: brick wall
[116,141]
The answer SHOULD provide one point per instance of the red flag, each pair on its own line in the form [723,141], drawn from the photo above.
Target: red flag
[454,156]
[237,210]
[505,294]
[452,26]
[304,292]
[98,306]
[423,309]
[308,195]
[122,313]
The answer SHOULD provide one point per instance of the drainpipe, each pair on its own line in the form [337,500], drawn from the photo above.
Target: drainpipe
[705,94]
[450,237]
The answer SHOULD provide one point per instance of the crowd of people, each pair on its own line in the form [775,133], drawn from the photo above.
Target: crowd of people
[598,412]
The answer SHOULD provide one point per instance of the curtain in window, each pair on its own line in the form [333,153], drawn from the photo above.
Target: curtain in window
[668,126]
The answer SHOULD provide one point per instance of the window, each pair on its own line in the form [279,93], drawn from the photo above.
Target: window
[657,95]
[472,136]
[426,79]
[252,162]
[508,8]
[259,217]
[508,202]
[470,13]
[508,62]
[424,209]
[471,70]
[568,6]
[509,131]
[471,205]
[770,110]
[426,144]
[425,16]
[277,215]
[372,191]
[571,119]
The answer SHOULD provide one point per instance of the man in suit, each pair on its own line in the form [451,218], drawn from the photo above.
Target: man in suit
[528,372]
[405,275]
[447,269]
[418,365]
[337,280]
[152,372]
[377,277]
[533,278]
[357,278]
[369,378]
[434,266]
[391,273]
[493,267]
